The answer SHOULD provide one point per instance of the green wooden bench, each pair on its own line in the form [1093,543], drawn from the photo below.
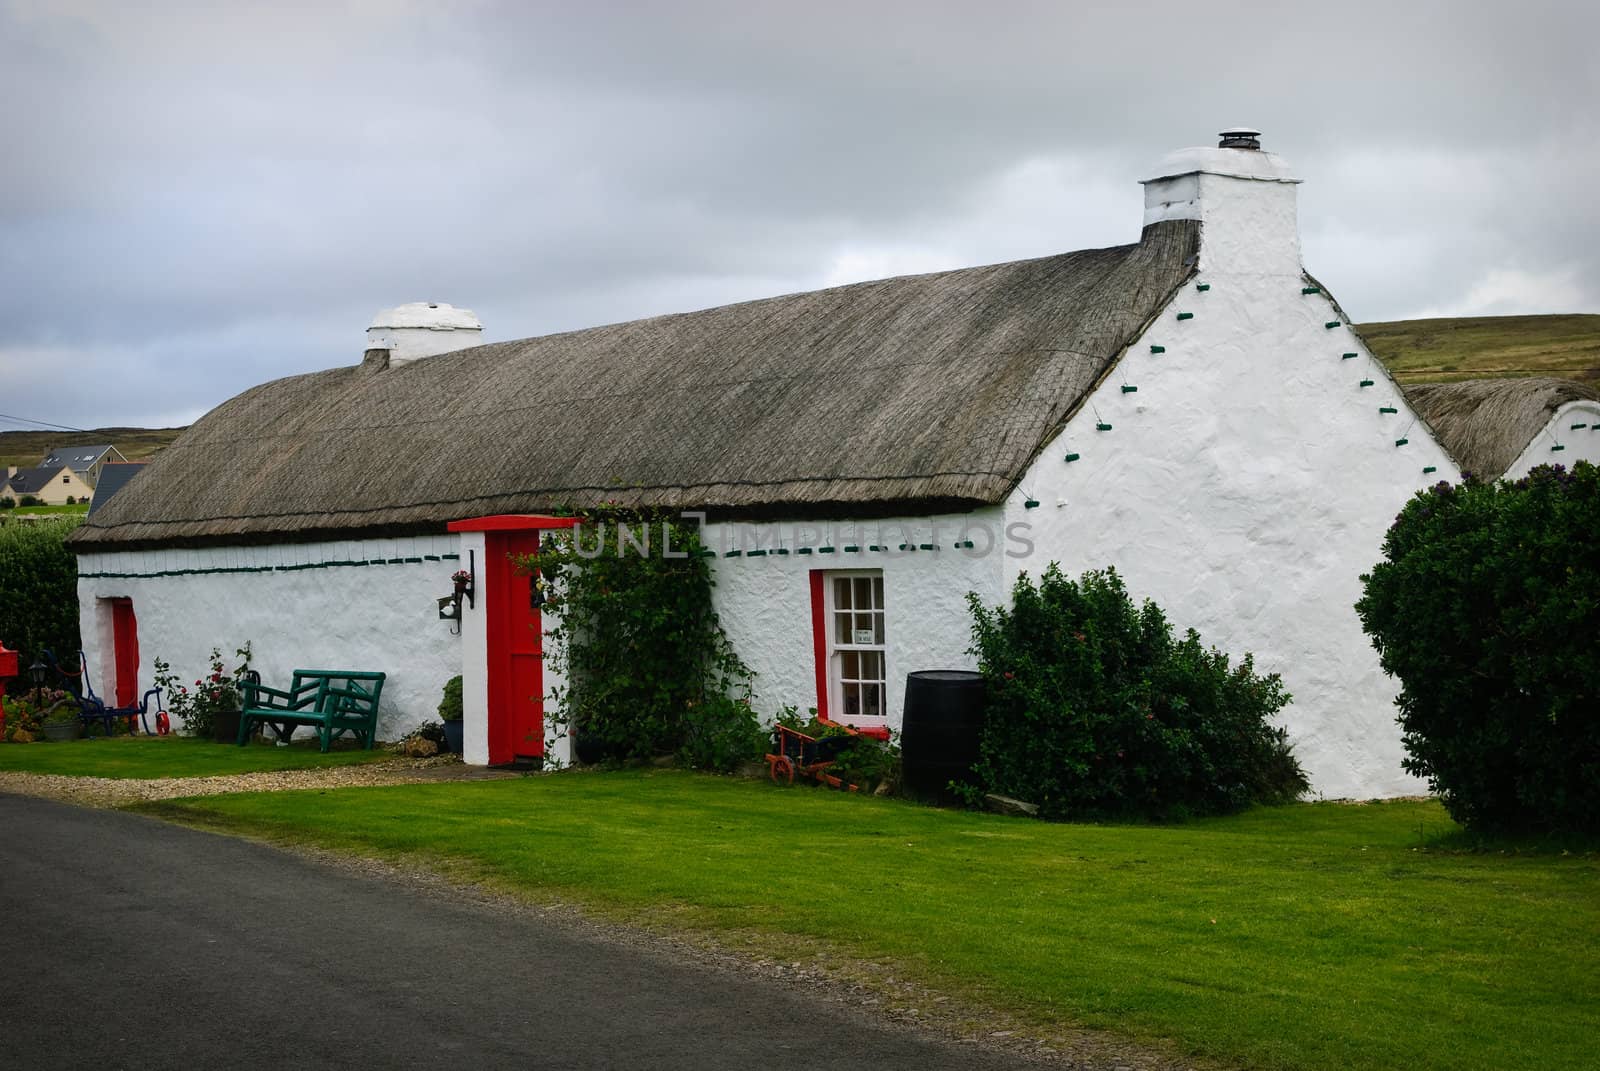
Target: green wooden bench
[332,701]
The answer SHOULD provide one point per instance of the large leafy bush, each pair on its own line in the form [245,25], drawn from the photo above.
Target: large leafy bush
[649,668]
[38,591]
[1486,606]
[1095,709]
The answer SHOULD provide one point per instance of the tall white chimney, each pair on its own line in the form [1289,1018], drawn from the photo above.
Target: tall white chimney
[1243,197]
[421,329]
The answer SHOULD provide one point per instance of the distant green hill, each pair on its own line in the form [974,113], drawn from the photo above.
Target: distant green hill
[1487,347]
[27,448]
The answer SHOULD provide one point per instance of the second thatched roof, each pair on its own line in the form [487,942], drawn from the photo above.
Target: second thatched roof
[1487,423]
[915,393]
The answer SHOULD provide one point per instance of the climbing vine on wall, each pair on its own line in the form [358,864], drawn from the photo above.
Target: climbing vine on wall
[629,619]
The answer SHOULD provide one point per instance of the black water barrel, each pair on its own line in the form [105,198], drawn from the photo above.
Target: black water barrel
[941,728]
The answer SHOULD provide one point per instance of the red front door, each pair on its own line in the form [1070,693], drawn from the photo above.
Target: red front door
[516,644]
[125,648]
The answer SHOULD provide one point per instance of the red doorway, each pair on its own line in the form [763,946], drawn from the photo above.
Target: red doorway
[516,651]
[513,635]
[125,652]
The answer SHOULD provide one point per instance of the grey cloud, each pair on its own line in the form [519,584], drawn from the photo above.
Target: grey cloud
[200,197]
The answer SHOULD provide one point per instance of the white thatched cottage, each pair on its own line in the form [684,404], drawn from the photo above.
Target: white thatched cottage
[1191,408]
[1504,427]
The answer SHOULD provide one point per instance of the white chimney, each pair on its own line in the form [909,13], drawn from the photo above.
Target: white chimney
[421,329]
[1243,197]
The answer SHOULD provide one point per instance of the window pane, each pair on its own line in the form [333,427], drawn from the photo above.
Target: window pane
[863,593]
[841,629]
[850,666]
[877,593]
[841,593]
[871,663]
[877,624]
[872,700]
[863,628]
[852,700]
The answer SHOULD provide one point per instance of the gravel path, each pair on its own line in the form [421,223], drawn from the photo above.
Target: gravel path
[113,791]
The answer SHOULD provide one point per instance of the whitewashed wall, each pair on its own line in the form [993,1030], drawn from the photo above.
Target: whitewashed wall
[1578,444]
[765,601]
[1245,486]
[297,608]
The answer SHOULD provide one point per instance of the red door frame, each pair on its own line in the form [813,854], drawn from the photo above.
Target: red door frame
[516,655]
[514,634]
[125,652]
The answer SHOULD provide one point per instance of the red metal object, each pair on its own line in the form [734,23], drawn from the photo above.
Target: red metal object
[807,756]
[8,662]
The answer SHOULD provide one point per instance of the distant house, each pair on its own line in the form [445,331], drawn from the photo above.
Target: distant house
[1504,427]
[50,484]
[113,478]
[1191,408]
[86,461]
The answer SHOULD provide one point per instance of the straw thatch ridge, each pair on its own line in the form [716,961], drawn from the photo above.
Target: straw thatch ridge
[1487,423]
[896,395]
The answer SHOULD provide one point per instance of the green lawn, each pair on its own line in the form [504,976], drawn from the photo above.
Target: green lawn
[169,756]
[79,510]
[1487,347]
[1313,936]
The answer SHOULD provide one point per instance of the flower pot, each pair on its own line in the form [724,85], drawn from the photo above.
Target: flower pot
[452,737]
[588,749]
[62,730]
[225,727]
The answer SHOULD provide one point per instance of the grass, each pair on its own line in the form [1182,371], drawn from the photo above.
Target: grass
[81,509]
[1314,936]
[143,757]
[1487,347]
[27,448]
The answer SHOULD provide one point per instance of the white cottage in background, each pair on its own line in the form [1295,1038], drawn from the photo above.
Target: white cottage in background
[1192,409]
[1506,427]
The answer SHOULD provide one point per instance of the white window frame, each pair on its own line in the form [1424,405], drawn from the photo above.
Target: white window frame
[835,649]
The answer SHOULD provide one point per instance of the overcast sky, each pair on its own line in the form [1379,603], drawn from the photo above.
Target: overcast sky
[197,198]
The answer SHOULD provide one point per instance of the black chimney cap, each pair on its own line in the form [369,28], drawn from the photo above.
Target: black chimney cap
[1239,137]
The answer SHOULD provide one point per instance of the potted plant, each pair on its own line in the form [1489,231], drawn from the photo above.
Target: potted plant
[62,724]
[450,714]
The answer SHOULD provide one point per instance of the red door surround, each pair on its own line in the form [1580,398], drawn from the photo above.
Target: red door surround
[514,634]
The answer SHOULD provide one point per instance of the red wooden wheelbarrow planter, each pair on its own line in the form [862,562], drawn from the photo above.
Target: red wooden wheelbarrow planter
[810,756]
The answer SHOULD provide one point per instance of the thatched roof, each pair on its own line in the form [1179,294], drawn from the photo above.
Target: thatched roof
[1487,423]
[926,391]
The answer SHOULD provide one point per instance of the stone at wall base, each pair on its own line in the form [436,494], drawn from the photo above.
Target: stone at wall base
[1006,805]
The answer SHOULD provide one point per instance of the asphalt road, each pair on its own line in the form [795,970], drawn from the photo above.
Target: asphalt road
[130,943]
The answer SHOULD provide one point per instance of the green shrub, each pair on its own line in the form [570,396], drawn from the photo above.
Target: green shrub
[1094,709]
[7,502]
[450,703]
[721,734]
[1486,607]
[39,592]
[31,500]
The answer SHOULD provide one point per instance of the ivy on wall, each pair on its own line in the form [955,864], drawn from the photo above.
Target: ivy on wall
[629,619]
